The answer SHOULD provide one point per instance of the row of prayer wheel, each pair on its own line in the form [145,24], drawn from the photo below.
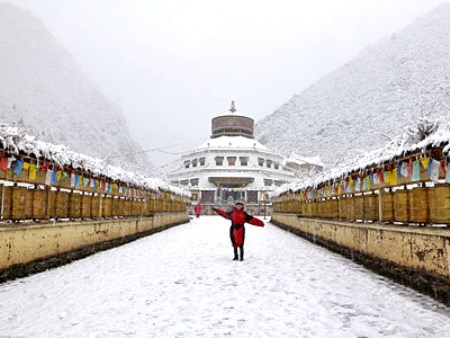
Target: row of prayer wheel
[424,205]
[20,203]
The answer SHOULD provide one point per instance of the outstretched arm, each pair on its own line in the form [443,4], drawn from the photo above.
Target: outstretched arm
[222,213]
[253,220]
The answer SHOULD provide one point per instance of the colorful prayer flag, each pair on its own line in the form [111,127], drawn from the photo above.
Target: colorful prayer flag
[394,177]
[32,172]
[48,177]
[404,169]
[55,177]
[18,167]
[434,168]
[425,162]
[4,163]
[416,171]
[447,176]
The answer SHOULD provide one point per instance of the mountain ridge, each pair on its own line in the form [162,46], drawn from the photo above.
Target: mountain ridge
[43,90]
[370,98]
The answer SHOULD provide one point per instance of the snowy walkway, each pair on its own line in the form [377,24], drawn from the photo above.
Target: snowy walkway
[183,283]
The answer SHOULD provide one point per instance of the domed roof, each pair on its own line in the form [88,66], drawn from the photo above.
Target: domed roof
[232,142]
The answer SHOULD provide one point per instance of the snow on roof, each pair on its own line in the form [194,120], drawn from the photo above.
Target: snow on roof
[232,142]
[376,158]
[315,160]
[15,140]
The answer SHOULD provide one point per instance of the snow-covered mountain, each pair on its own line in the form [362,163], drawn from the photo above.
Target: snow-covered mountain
[371,98]
[42,88]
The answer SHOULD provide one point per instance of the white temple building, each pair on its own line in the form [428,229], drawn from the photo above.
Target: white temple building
[232,166]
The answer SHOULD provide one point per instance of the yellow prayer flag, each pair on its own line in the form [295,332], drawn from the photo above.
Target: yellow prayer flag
[351,182]
[387,177]
[394,176]
[367,178]
[25,166]
[59,175]
[425,162]
[32,172]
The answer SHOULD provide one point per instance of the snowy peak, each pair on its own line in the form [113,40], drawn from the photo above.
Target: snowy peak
[370,99]
[42,88]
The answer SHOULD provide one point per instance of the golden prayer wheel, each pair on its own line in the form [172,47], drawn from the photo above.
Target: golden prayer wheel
[334,208]
[62,204]
[19,203]
[122,207]
[86,201]
[401,206]
[418,205]
[350,207]
[29,204]
[303,209]
[387,205]
[106,206]
[308,209]
[75,205]
[359,207]
[341,207]
[114,206]
[39,204]
[128,207]
[371,208]
[297,207]
[314,212]
[95,208]
[439,204]
[7,202]
[322,208]
[51,201]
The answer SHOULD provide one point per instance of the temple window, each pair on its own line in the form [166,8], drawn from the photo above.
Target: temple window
[186,164]
[231,161]
[244,161]
[260,162]
[201,161]
[219,160]
[267,182]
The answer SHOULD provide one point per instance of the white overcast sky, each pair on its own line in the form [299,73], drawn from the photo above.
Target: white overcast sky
[173,65]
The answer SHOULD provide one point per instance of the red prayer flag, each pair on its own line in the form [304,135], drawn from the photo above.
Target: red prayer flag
[44,166]
[381,177]
[442,170]
[4,163]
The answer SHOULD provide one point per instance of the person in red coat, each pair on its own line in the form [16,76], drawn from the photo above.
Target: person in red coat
[198,210]
[237,230]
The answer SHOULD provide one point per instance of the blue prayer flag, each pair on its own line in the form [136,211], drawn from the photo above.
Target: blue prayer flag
[18,167]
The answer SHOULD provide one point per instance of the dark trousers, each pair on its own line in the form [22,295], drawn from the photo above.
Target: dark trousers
[241,248]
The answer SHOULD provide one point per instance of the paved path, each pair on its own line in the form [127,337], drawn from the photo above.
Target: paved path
[183,283]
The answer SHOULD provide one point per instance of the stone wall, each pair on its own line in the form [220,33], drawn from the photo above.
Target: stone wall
[415,256]
[28,248]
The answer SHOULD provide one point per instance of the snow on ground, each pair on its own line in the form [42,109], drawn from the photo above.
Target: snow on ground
[183,283]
